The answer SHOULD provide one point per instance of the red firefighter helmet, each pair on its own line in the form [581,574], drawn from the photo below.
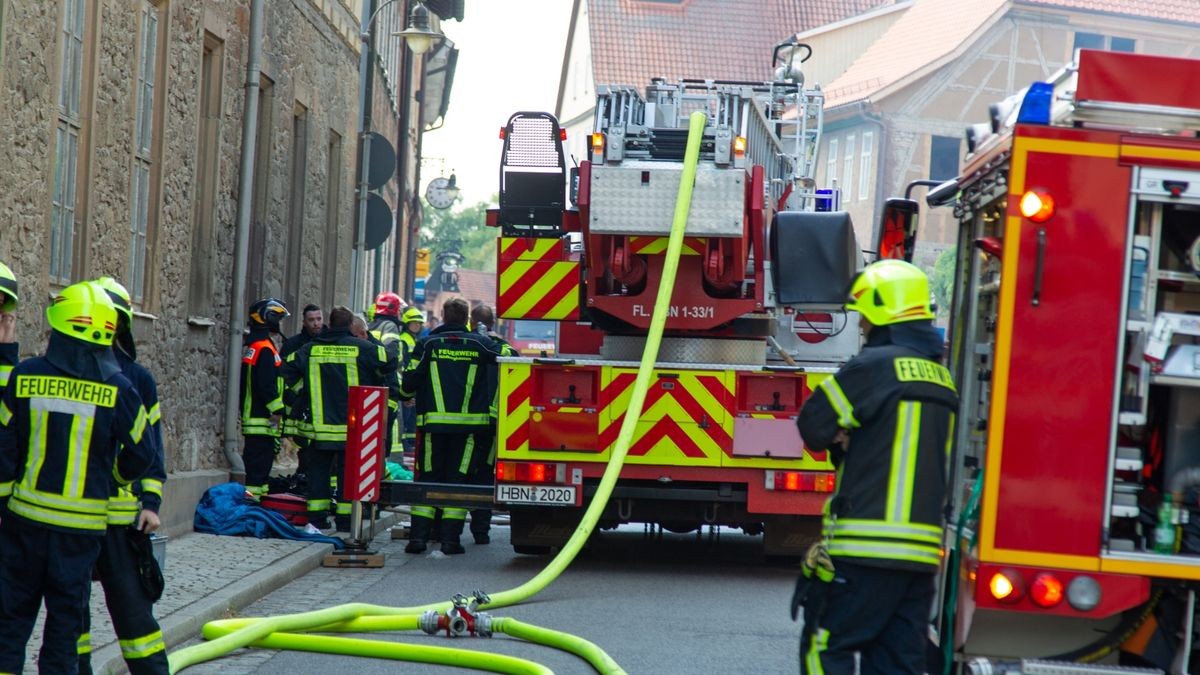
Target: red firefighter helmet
[388,303]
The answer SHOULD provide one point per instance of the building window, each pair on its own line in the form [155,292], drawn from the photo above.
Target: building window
[831,163]
[260,196]
[144,200]
[63,220]
[333,213]
[295,239]
[1098,41]
[207,175]
[848,170]
[943,157]
[864,168]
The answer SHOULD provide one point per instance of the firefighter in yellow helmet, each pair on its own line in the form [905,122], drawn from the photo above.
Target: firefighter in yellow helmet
[70,424]
[8,324]
[887,418]
[126,568]
[413,322]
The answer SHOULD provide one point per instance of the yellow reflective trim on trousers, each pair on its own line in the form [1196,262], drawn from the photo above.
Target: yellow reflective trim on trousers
[343,508]
[886,550]
[841,404]
[318,504]
[871,529]
[154,414]
[424,512]
[818,643]
[466,403]
[455,418]
[439,402]
[140,648]
[468,450]
[428,454]
[898,507]
[452,513]
[84,644]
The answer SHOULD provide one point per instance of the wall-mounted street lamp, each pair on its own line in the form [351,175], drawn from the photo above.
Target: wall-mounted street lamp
[419,37]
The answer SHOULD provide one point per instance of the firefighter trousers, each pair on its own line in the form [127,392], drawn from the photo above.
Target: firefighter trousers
[483,472]
[130,607]
[881,614]
[259,455]
[39,564]
[408,434]
[326,469]
[442,458]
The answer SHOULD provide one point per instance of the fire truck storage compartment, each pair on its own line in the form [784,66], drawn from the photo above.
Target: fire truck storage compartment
[767,405]
[564,410]
[1157,453]
[814,257]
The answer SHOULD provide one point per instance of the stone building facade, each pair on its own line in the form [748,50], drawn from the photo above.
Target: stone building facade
[120,141]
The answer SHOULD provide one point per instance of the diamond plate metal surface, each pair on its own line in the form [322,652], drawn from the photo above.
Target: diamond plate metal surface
[688,350]
[622,203]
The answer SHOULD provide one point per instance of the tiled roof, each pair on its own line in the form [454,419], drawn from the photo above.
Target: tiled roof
[943,26]
[635,40]
[477,286]
[1185,11]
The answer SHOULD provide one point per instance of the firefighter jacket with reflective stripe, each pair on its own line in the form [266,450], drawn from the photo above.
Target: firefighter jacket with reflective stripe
[447,375]
[8,359]
[64,440]
[389,333]
[262,389]
[145,493]
[408,344]
[899,409]
[317,381]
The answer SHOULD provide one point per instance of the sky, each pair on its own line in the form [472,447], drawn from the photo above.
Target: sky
[510,56]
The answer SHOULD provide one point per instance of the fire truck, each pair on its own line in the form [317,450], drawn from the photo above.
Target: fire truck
[755,321]
[1074,529]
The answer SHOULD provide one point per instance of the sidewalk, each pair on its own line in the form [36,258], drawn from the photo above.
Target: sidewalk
[207,577]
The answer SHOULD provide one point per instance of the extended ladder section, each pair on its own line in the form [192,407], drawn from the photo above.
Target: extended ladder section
[775,124]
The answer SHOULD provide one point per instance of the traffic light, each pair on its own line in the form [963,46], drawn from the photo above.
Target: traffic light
[422,270]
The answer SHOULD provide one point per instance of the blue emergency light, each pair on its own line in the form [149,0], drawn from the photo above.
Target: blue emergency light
[1035,107]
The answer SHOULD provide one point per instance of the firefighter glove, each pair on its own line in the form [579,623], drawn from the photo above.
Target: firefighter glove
[818,564]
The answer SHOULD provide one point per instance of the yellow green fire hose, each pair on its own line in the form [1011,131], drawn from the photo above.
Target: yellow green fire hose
[279,632]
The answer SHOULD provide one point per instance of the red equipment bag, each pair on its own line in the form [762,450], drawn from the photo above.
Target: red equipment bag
[293,507]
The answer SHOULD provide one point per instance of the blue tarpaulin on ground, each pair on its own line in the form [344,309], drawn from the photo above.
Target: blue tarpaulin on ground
[224,510]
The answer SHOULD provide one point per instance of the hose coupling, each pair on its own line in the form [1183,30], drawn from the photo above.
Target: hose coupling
[462,619]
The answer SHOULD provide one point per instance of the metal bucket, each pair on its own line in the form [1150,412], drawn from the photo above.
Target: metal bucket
[158,543]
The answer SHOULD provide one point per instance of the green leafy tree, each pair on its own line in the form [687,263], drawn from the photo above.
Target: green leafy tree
[465,230]
[941,281]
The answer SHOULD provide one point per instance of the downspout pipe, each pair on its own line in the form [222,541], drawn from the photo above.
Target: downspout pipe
[237,308]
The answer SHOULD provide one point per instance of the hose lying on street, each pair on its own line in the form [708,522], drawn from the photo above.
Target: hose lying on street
[233,634]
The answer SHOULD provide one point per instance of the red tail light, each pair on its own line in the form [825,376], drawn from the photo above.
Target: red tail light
[531,472]
[800,481]
[1046,590]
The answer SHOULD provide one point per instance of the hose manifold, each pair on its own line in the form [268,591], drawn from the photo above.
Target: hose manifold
[462,619]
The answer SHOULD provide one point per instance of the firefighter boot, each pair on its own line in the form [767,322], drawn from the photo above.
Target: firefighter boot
[481,524]
[451,531]
[418,533]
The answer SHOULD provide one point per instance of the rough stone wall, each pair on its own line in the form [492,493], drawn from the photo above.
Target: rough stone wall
[309,60]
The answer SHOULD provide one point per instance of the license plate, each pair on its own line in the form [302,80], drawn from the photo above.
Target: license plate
[551,495]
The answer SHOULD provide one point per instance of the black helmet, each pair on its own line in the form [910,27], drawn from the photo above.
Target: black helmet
[268,312]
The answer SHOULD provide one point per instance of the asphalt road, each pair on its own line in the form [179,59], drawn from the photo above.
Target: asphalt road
[669,605]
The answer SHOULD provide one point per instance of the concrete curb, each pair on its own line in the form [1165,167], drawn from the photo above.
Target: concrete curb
[188,621]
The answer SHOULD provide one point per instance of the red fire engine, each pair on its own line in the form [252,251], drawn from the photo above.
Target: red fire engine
[755,321]
[1075,529]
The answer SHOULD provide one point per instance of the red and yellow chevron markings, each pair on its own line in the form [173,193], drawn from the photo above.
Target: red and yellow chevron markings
[652,245]
[535,282]
[686,420]
[516,387]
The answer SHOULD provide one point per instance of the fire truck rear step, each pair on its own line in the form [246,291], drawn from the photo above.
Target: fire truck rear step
[983,666]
